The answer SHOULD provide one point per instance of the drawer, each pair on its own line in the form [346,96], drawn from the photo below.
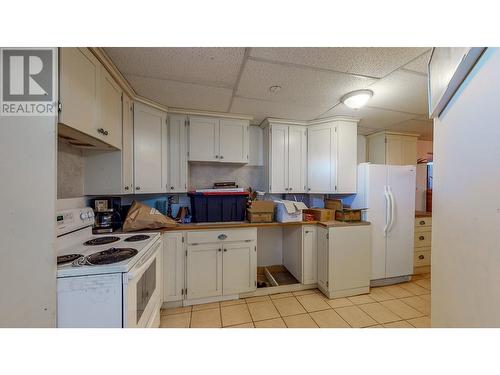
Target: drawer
[221,235]
[422,239]
[423,222]
[421,258]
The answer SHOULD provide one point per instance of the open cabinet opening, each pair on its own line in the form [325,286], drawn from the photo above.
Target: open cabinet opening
[276,275]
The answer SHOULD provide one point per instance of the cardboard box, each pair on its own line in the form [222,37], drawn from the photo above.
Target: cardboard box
[333,204]
[320,214]
[262,206]
[348,214]
[260,217]
[289,211]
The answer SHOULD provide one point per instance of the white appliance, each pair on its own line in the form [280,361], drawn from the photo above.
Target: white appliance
[388,194]
[106,281]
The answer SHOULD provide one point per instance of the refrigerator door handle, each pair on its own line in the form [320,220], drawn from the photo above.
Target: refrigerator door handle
[388,210]
[391,199]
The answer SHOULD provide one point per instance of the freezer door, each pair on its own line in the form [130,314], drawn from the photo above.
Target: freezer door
[399,237]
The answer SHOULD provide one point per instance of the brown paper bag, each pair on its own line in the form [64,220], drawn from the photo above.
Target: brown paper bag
[141,216]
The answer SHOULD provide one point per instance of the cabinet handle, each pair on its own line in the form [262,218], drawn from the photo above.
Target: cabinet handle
[100,131]
[308,189]
[222,157]
[225,250]
[126,188]
[216,156]
[421,238]
[222,236]
[171,188]
[290,189]
[105,132]
[422,222]
[219,250]
[421,257]
[137,188]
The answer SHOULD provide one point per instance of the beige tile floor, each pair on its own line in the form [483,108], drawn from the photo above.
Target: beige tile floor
[405,305]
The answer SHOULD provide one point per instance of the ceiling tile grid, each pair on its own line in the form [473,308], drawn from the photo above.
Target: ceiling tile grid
[312,81]
[369,61]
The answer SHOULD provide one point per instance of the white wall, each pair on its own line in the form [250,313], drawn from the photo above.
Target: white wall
[27,222]
[466,203]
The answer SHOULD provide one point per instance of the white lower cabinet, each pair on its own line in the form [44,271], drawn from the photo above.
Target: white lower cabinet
[221,263]
[309,255]
[174,256]
[204,270]
[344,260]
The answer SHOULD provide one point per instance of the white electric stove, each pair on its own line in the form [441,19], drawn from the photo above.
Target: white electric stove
[109,280]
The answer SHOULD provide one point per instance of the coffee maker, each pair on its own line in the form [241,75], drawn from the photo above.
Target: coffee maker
[107,214]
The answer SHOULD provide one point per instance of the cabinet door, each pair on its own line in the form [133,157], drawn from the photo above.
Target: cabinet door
[393,150]
[109,126]
[233,141]
[322,239]
[177,152]
[278,168]
[128,146]
[297,159]
[309,255]
[321,159]
[173,266]
[78,85]
[409,150]
[148,149]
[347,157]
[239,267]
[203,139]
[204,270]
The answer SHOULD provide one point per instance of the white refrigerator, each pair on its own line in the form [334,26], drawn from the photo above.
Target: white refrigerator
[388,194]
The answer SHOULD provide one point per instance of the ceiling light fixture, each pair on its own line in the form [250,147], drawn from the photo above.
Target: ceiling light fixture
[274,89]
[357,99]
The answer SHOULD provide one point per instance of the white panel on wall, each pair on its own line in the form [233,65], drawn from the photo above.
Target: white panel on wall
[361,148]
[269,246]
[256,154]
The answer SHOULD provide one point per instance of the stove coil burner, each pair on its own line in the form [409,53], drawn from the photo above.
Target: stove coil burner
[63,259]
[110,256]
[101,240]
[137,237]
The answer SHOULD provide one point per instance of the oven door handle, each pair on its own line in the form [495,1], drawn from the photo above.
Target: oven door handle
[144,264]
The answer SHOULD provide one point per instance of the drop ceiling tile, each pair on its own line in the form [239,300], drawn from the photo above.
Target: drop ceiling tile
[298,86]
[422,127]
[217,66]
[370,61]
[420,63]
[370,117]
[261,109]
[182,95]
[401,91]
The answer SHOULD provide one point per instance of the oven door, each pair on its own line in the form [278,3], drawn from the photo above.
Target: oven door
[142,289]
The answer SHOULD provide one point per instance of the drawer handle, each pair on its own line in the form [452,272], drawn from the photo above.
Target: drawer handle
[421,257]
[421,238]
[222,236]
[422,222]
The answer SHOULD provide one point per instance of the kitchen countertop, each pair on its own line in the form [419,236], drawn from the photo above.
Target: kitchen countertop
[246,224]
[423,214]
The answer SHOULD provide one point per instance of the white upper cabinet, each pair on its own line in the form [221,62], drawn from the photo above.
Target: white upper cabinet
[128,145]
[332,157]
[285,155]
[150,150]
[322,158]
[347,157]
[79,85]
[233,144]
[109,126]
[392,148]
[112,172]
[91,100]
[218,140]
[203,138]
[177,154]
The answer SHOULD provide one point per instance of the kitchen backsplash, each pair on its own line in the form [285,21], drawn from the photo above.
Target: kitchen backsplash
[69,171]
[204,175]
